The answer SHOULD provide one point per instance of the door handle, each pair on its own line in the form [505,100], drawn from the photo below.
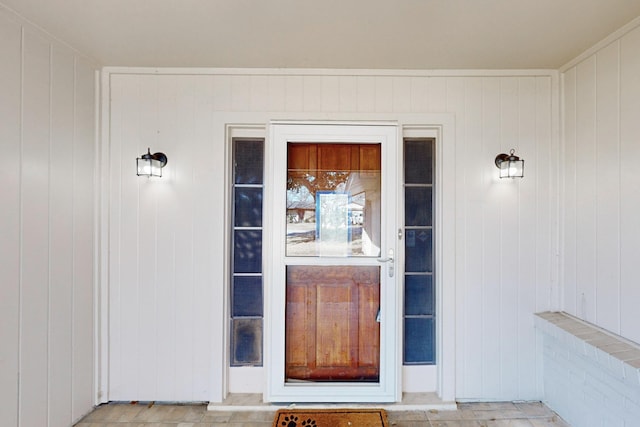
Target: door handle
[388,259]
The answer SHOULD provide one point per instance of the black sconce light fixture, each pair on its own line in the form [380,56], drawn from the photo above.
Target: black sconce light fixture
[510,165]
[151,164]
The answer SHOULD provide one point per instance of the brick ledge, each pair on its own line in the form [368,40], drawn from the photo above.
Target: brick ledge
[619,356]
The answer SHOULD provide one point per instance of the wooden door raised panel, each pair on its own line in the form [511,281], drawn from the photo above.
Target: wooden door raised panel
[331,329]
[333,157]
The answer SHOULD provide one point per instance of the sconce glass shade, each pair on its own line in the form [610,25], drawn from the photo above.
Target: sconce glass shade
[151,164]
[510,165]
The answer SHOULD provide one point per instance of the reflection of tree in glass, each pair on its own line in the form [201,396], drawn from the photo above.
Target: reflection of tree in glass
[318,181]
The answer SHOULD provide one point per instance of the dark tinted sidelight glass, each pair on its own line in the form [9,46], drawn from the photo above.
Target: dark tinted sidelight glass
[418,206]
[418,250]
[248,207]
[248,162]
[419,289]
[246,281]
[247,339]
[418,162]
[418,295]
[247,296]
[419,342]
[247,254]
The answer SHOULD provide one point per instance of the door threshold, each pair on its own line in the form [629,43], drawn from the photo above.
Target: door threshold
[244,402]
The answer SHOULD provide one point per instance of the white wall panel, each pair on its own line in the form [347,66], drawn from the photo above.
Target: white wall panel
[221,93]
[383,92]
[330,93]
[601,193]
[293,90]
[35,187]
[162,275]
[277,94]
[161,231]
[348,93]
[168,238]
[366,93]
[466,99]
[629,184]
[84,228]
[10,84]
[401,95]
[568,206]
[510,235]
[418,93]
[61,241]
[525,260]
[437,94]
[118,331]
[241,93]
[259,93]
[585,219]
[545,203]
[201,261]
[607,188]
[47,229]
[312,93]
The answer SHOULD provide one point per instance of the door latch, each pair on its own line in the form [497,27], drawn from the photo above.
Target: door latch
[388,259]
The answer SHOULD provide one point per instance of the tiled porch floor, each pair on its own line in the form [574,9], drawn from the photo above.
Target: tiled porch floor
[504,414]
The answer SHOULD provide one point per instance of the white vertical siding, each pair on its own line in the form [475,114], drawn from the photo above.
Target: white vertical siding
[46,230]
[601,192]
[10,72]
[607,188]
[629,92]
[167,237]
[568,195]
[503,232]
[61,259]
[84,228]
[35,185]
[585,215]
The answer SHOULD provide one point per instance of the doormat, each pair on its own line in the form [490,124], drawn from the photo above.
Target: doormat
[331,418]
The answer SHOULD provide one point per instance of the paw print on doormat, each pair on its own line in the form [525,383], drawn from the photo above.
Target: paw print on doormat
[290,421]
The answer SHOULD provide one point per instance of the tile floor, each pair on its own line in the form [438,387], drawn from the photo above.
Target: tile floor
[505,414]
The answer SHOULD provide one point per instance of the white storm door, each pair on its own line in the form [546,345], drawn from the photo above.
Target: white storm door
[332,307]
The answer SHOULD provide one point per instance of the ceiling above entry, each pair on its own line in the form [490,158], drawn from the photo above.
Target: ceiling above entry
[352,34]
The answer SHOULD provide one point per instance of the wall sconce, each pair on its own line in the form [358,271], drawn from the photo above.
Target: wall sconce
[151,164]
[510,165]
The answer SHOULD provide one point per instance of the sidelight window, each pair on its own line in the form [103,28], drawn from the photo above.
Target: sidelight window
[246,248]
[419,290]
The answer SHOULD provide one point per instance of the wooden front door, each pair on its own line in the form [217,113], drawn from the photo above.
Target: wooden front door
[333,317]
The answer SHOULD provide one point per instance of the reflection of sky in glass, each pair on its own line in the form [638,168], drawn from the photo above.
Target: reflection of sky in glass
[332,230]
[298,197]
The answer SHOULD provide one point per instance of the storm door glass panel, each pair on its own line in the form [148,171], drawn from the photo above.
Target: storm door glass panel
[332,311]
[333,200]
[419,290]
